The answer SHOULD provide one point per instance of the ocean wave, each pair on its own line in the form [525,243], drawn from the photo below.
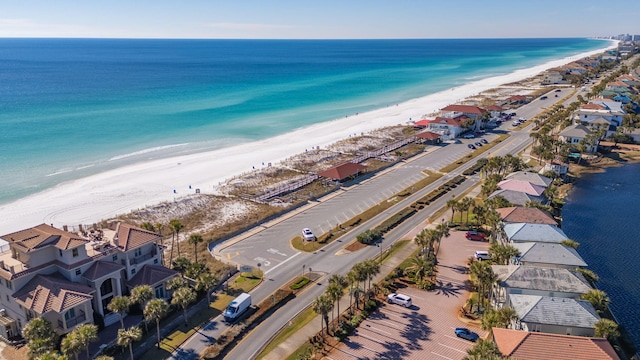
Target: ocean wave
[146,151]
[59,172]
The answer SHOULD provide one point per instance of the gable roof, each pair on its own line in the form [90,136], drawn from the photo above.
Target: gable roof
[100,269]
[542,279]
[523,345]
[457,122]
[517,197]
[529,215]
[549,253]
[44,235]
[494,107]
[591,106]
[469,109]
[131,237]
[519,232]
[46,293]
[342,171]
[554,311]
[531,177]
[576,131]
[428,135]
[522,186]
[151,275]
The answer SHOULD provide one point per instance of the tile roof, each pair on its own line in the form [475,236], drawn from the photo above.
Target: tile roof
[469,109]
[519,232]
[100,269]
[549,253]
[494,107]
[447,121]
[428,135]
[46,293]
[342,171]
[531,177]
[151,275]
[522,186]
[44,235]
[131,237]
[523,345]
[521,214]
[517,197]
[542,279]
[556,311]
[591,106]
[618,83]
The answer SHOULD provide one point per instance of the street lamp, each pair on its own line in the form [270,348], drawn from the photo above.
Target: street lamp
[380,246]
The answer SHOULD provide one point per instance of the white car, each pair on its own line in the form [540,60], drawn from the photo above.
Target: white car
[482,255]
[307,235]
[400,299]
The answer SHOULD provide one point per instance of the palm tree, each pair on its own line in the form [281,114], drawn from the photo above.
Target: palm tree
[119,305]
[501,254]
[340,282]
[453,205]
[607,328]
[423,240]
[483,276]
[371,269]
[140,295]
[570,243]
[483,350]
[86,334]
[443,232]
[205,282]
[322,305]
[598,299]
[591,277]
[334,293]
[104,357]
[71,345]
[176,226]
[467,204]
[127,337]
[181,265]
[420,266]
[195,239]
[50,355]
[176,283]
[156,309]
[40,335]
[183,297]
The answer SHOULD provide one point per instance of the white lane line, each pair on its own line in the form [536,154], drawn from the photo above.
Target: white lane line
[452,348]
[442,356]
[275,267]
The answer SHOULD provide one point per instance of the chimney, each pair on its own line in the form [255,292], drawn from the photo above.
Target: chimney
[65,228]
[80,227]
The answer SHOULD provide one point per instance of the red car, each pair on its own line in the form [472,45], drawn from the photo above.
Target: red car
[474,235]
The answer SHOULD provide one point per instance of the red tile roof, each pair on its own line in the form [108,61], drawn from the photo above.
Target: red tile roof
[618,83]
[519,214]
[151,275]
[131,237]
[44,235]
[523,345]
[428,135]
[46,293]
[342,171]
[469,109]
[494,108]
[447,121]
[591,106]
[422,123]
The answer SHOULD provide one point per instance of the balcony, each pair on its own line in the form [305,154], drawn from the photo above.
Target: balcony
[140,259]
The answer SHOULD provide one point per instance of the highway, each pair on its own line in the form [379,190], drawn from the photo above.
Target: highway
[270,244]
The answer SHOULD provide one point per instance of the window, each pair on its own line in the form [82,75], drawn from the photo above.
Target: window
[78,271]
[155,261]
[60,252]
[133,271]
[138,252]
[8,284]
[8,298]
[115,257]
[74,252]
[159,290]
[70,314]
[106,287]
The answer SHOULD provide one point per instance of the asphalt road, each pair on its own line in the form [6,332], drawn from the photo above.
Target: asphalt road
[270,245]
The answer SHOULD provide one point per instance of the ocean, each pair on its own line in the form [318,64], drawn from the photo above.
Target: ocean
[600,214]
[70,108]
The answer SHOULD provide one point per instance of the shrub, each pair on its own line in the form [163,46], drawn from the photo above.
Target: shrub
[300,283]
[369,236]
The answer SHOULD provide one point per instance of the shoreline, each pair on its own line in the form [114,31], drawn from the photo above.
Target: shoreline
[119,191]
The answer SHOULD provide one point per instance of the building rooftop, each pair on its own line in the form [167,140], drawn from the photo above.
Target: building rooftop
[517,197]
[151,275]
[523,232]
[524,345]
[522,186]
[46,293]
[554,311]
[531,177]
[520,214]
[539,278]
[549,253]
[44,235]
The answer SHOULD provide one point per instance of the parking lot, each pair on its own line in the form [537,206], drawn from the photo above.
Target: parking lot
[426,330]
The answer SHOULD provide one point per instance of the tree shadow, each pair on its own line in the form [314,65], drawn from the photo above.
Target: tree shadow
[449,287]
[417,329]
[182,354]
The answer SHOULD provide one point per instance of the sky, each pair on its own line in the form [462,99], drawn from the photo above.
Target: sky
[323,19]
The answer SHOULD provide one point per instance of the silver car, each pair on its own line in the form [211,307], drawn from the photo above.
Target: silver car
[307,235]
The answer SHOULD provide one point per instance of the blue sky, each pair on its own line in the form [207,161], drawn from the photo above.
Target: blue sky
[324,19]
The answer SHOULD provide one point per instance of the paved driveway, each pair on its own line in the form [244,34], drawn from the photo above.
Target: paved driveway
[426,330]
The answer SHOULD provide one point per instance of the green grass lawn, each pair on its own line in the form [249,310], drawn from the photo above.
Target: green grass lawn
[296,324]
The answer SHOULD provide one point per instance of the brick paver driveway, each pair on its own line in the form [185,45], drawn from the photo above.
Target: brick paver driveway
[425,331]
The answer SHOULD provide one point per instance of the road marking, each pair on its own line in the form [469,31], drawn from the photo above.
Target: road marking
[452,348]
[275,267]
[276,251]
[442,356]
[262,261]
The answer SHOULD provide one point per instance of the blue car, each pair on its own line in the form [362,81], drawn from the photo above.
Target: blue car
[467,334]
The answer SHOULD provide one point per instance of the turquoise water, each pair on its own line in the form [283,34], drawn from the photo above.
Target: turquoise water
[74,107]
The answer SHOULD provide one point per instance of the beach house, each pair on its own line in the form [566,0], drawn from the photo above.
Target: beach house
[548,255]
[553,315]
[475,114]
[579,135]
[529,215]
[523,232]
[448,128]
[524,345]
[69,278]
[518,197]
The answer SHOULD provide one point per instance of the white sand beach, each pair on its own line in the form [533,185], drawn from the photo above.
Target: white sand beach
[122,190]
